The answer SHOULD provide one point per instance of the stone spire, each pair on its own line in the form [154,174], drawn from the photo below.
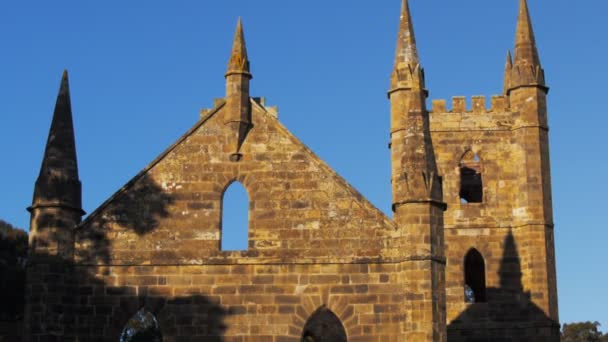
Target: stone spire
[239,62]
[406,53]
[525,44]
[407,72]
[58,183]
[410,131]
[57,206]
[526,69]
[238,107]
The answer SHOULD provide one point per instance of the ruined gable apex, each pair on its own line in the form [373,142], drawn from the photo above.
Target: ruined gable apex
[171,211]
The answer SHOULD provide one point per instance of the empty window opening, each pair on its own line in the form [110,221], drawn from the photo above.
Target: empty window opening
[143,326]
[474,277]
[235,218]
[471,184]
[324,326]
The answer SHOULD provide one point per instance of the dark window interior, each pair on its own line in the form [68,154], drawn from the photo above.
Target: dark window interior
[324,326]
[471,185]
[474,277]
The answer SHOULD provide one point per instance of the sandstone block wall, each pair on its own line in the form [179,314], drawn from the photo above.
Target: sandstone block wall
[314,242]
[243,302]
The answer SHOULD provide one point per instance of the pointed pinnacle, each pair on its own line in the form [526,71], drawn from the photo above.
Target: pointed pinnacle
[406,42]
[64,88]
[508,69]
[239,61]
[58,184]
[525,44]
[60,152]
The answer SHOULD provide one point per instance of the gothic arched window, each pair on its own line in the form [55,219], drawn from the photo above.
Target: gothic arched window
[142,327]
[324,326]
[235,218]
[474,277]
[471,184]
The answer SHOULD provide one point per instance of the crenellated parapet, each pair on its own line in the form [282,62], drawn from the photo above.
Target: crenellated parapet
[478,116]
[498,104]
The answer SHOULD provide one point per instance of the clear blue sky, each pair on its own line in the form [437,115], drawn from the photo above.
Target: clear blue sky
[141,70]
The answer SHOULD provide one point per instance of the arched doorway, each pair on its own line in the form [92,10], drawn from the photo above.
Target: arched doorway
[324,326]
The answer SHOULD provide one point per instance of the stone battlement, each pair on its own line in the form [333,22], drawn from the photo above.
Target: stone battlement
[498,104]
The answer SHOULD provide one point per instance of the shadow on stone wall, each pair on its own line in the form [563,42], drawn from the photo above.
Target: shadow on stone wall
[509,313]
[13,253]
[138,208]
[68,301]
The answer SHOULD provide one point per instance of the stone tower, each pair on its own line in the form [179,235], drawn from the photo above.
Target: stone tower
[500,275]
[417,191]
[56,210]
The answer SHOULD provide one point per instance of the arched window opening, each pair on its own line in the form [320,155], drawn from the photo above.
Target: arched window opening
[142,327]
[323,326]
[235,218]
[474,277]
[471,184]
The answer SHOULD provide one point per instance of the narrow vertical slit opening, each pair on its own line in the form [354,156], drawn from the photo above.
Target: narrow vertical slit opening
[474,277]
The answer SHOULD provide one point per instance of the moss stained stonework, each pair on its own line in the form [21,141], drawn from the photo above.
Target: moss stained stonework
[322,264]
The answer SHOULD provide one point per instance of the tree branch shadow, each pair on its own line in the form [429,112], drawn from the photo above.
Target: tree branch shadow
[85,299]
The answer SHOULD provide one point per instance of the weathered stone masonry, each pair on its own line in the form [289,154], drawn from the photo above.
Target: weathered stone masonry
[317,248]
